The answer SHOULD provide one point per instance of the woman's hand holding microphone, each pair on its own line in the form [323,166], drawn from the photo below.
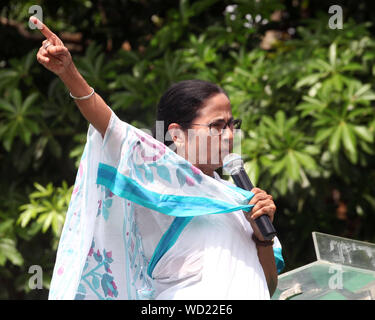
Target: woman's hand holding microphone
[263,204]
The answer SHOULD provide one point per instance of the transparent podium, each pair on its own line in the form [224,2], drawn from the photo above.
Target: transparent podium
[344,270]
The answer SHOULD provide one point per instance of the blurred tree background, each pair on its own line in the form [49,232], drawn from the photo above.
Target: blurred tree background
[305,93]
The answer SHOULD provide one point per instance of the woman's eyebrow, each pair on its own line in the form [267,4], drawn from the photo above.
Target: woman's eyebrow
[222,119]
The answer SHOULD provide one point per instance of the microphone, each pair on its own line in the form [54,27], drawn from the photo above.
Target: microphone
[233,164]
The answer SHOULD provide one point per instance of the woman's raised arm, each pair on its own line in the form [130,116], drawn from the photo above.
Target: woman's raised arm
[54,56]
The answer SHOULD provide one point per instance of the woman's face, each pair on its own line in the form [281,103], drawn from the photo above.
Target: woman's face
[203,149]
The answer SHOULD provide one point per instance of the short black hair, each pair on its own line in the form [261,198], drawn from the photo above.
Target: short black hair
[181,103]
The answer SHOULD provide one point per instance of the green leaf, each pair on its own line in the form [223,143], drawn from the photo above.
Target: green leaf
[29,211]
[366,148]
[292,165]
[6,226]
[29,101]
[362,90]
[348,138]
[270,123]
[8,251]
[252,169]
[323,134]
[352,67]
[306,160]
[46,219]
[17,98]
[280,120]
[364,133]
[184,11]
[334,141]
[54,147]
[6,106]
[332,54]
[57,224]
[308,80]
[321,65]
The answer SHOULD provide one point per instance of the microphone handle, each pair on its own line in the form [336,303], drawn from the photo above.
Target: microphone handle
[242,180]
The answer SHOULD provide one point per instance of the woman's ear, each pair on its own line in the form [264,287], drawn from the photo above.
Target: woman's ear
[177,134]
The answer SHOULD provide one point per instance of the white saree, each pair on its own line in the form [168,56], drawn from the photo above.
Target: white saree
[143,223]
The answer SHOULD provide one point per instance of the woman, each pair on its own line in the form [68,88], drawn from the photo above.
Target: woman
[221,256]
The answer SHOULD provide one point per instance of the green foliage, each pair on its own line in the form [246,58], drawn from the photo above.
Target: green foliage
[32,238]
[8,250]
[307,108]
[18,72]
[18,118]
[48,206]
[308,114]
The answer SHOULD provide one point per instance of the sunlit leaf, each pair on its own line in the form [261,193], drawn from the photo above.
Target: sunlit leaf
[334,141]
[348,138]
[364,133]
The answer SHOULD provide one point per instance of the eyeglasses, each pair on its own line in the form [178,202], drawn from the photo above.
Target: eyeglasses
[217,127]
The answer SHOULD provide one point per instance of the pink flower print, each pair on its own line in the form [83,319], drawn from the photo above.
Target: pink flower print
[110,293]
[109,254]
[91,251]
[189,181]
[195,170]
[80,170]
[155,145]
[114,285]
[60,271]
[75,190]
[98,257]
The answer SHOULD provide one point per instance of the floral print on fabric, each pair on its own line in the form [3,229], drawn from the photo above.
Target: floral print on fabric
[106,204]
[148,153]
[99,278]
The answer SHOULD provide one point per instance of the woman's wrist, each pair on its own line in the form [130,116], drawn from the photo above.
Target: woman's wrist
[67,71]
[262,243]
[74,81]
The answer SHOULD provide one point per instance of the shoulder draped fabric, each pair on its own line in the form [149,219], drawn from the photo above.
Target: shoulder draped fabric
[100,253]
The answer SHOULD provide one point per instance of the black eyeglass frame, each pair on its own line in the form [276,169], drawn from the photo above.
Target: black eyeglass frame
[229,123]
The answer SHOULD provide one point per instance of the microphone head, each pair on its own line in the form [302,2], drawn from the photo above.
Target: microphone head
[232,163]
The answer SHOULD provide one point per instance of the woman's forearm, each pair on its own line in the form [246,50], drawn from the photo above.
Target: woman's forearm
[94,109]
[54,56]
[267,260]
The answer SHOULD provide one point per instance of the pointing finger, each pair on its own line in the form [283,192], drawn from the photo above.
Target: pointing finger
[42,28]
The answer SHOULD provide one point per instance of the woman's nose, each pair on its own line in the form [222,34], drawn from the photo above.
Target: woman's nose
[227,133]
